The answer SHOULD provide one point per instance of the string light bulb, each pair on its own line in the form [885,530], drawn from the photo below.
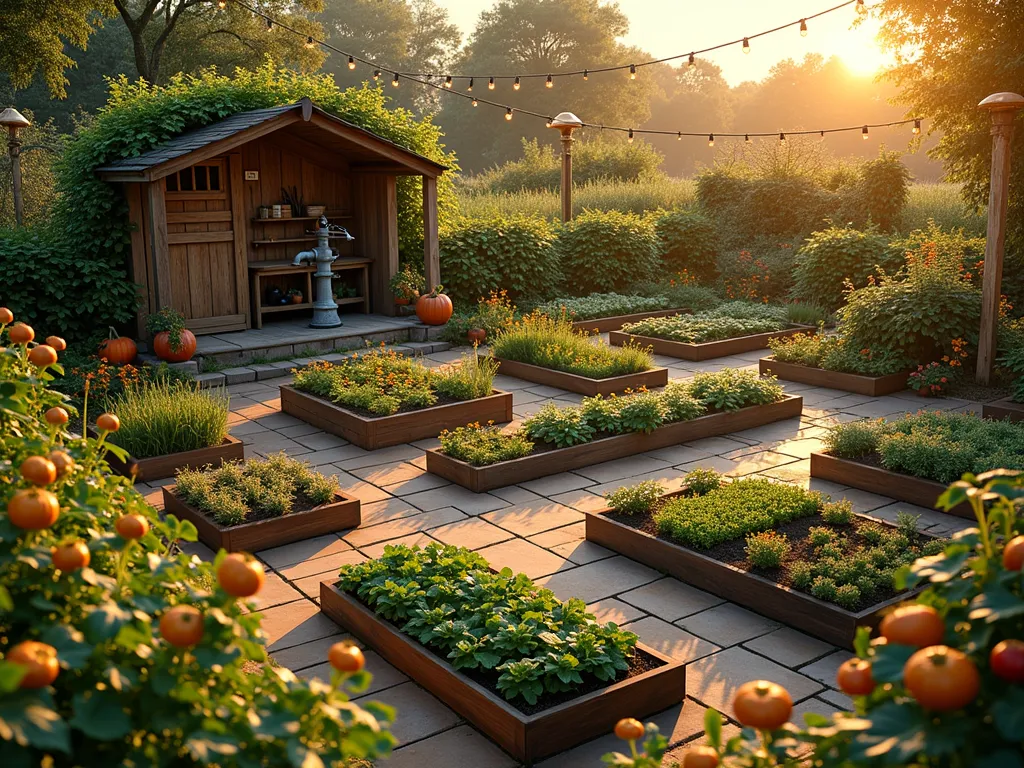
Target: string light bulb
[861,7]
[586,74]
[746,45]
[222,4]
[376,75]
[270,23]
[351,62]
[692,61]
[632,71]
[516,85]
[508,113]
[448,82]
[394,81]
[629,136]
[803,27]
[469,88]
[864,133]
[917,128]
[711,139]
[310,43]
[549,83]
[746,138]
[679,136]
[475,102]
[782,138]
[490,84]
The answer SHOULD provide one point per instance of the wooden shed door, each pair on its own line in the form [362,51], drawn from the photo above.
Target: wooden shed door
[206,271]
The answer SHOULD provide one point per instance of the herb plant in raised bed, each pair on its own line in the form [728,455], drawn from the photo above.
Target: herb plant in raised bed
[748,539]
[261,503]
[598,305]
[380,398]
[506,654]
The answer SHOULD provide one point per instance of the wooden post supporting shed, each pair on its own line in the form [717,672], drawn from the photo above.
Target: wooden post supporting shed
[212,238]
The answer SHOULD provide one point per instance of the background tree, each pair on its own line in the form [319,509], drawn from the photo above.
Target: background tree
[540,36]
[171,36]
[33,37]
[950,56]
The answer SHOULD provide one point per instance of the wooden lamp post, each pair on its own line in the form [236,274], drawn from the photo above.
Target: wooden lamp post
[1003,108]
[14,121]
[566,123]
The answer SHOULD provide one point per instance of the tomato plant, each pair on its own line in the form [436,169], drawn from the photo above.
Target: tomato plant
[104,662]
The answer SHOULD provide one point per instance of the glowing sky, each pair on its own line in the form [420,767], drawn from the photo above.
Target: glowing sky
[669,27]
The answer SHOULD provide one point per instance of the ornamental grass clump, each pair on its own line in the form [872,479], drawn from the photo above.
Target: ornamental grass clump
[553,343]
[164,417]
[726,321]
[238,491]
[522,640]
[601,305]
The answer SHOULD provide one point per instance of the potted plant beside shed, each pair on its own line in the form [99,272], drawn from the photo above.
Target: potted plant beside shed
[405,286]
[172,341]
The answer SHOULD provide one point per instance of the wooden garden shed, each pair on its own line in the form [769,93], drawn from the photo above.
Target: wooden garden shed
[202,245]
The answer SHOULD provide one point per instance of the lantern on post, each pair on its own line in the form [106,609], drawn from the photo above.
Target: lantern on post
[1003,108]
[14,121]
[566,123]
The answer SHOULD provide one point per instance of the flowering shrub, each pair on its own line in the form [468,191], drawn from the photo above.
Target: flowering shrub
[107,381]
[118,649]
[752,280]
[835,353]
[930,380]
[492,313]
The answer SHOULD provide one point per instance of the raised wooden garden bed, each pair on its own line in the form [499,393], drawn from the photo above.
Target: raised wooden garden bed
[160,467]
[614,323]
[709,349]
[551,462]
[872,386]
[1003,409]
[341,514]
[867,477]
[817,617]
[573,382]
[525,737]
[373,432]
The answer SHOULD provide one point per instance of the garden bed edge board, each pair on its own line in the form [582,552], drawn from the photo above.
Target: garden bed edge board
[615,322]
[583,385]
[871,386]
[706,350]
[162,467]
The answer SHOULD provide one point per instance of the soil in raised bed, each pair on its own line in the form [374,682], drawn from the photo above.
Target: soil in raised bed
[734,552]
[640,663]
[300,503]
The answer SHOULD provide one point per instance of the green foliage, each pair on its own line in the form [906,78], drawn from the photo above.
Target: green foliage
[682,295]
[602,252]
[406,283]
[834,256]
[635,499]
[125,695]
[702,480]
[37,173]
[553,343]
[642,412]
[491,315]
[688,241]
[735,318]
[837,512]
[1013,360]
[482,445]
[106,381]
[79,277]
[517,636]
[731,389]
[732,511]
[472,378]
[767,549]
[494,253]
[854,439]
[835,353]
[881,191]
[540,168]
[808,314]
[164,417]
[601,305]
[561,427]
[272,487]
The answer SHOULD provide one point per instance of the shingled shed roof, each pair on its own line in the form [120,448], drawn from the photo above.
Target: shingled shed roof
[315,124]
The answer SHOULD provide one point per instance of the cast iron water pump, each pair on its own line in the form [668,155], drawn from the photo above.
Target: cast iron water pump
[325,309]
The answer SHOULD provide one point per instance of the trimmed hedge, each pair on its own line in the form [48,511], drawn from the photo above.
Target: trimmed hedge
[833,256]
[607,251]
[688,241]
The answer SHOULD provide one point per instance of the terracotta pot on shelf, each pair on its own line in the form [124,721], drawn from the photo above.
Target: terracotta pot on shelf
[476,335]
[296,298]
[186,346]
[401,302]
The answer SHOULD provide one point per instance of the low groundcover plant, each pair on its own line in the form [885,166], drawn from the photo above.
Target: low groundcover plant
[601,305]
[729,320]
[520,637]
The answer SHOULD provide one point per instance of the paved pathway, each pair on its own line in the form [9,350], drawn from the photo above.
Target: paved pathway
[537,528]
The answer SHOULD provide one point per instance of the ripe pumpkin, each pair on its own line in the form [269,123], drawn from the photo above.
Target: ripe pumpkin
[346,657]
[700,757]
[62,462]
[57,343]
[629,729]
[1013,555]
[131,526]
[6,316]
[476,335]
[40,663]
[70,556]
[39,470]
[916,625]
[435,308]
[19,333]
[186,346]
[33,509]
[108,422]
[182,626]
[118,350]
[763,705]
[42,356]
[941,678]
[854,677]
[56,416]
[240,575]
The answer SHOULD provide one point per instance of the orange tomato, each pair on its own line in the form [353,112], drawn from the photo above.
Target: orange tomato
[33,509]
[131,526]
[917,625]
[1013,555]
[700,757]
[19,333]
[108,422]
[762,704]
[1007,660]
[240,575]
[941,678]
[629,729]
[42,356]
[346,657]
[40,661]
[71,556]
[57,343]
[56,416]
[39,470]
[62,462]
[6,316]
[854,677]
[182,626]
